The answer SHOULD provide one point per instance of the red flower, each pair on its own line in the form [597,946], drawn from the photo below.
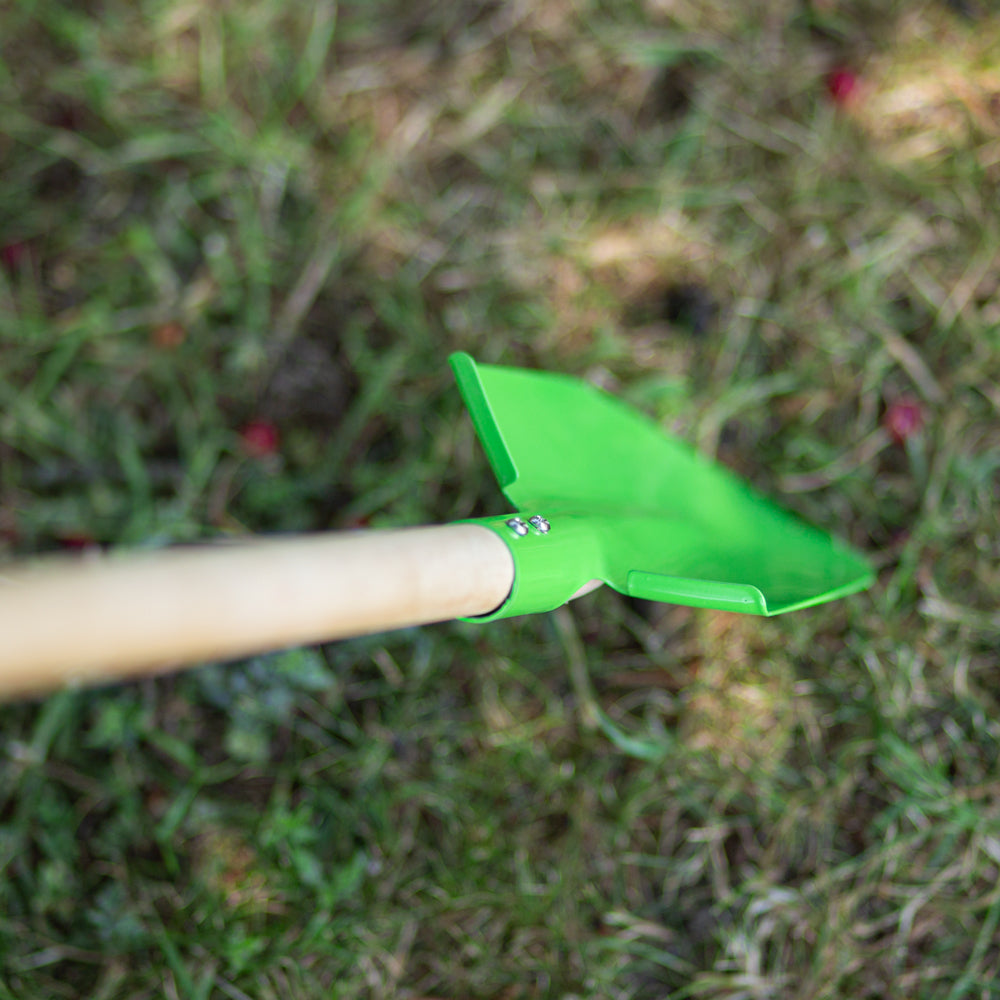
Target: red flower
[76,541]
[842,86]
[260,438]
[903,419]
[12,255]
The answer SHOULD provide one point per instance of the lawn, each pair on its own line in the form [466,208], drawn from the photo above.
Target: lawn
[238,242]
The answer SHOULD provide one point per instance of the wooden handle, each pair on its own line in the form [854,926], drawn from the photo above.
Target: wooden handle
[114,617]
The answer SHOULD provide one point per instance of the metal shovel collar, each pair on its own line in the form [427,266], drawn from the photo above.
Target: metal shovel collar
[602,493]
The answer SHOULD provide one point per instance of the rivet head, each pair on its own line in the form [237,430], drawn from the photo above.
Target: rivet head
[540,524]
[517,526]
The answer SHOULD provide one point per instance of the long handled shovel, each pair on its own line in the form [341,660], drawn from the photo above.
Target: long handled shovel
[602,496]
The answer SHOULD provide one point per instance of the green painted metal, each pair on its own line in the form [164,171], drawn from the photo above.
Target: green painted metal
[635,508]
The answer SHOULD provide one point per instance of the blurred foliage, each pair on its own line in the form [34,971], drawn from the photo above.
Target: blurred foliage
[212,214]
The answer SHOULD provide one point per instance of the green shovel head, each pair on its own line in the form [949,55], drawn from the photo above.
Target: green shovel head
[626,504]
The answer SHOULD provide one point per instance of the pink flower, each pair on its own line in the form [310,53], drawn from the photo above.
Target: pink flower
[903,419]
[842,85]
[260,438]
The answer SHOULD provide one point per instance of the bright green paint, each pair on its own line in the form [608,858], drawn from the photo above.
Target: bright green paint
[634,508]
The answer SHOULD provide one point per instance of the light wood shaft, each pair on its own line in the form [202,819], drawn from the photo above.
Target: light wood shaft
[113,617]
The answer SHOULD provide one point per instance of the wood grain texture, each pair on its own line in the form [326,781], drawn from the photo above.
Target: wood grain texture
[114,617]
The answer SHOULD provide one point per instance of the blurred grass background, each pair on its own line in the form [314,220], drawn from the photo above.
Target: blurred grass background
[237,243]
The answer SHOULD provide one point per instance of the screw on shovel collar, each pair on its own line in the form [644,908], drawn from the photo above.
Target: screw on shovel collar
[605,495]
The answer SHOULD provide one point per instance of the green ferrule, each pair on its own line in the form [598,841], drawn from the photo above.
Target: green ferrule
[554,556]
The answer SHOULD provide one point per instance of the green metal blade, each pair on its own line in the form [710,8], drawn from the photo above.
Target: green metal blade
[637,509]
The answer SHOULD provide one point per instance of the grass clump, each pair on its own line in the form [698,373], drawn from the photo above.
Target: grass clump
[212,215]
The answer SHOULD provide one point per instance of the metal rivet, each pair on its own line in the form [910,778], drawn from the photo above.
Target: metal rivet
[540,524]
[517,526]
